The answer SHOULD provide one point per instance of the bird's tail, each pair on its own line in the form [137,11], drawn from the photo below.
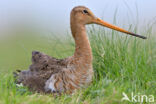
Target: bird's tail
[16,75]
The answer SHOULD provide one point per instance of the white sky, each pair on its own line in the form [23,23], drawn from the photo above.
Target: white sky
[54,14]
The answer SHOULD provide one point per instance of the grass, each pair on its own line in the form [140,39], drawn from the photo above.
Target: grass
[121,64]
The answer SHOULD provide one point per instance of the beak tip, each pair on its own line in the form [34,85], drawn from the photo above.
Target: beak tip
[143,37]
[140,36]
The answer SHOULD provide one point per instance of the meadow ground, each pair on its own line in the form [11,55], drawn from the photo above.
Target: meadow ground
[121,63]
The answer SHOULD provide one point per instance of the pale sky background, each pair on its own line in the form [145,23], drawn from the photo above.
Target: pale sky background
[54,15]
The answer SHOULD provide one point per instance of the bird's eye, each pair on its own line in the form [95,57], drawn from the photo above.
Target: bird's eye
[85,11]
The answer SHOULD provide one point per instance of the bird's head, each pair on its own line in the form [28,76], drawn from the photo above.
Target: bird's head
[83,15]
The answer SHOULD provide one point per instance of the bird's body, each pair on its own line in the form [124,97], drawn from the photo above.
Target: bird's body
[50,75]
[47,74]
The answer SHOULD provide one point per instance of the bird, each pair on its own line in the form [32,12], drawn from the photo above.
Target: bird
[47,74]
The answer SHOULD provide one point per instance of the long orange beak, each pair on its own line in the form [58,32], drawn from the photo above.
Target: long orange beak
[101,22]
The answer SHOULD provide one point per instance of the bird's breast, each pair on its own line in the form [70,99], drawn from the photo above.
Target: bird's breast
[69,80]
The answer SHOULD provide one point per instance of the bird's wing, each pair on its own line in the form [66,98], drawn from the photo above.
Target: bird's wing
[41,69]
[41,61]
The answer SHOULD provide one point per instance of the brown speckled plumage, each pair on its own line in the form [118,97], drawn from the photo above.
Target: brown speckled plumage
[50,75]
[43,66]
[65,73]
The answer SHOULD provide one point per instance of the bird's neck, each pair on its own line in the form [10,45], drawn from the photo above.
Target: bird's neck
[83,51]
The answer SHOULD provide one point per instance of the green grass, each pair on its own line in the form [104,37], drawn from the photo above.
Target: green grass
[121,64]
